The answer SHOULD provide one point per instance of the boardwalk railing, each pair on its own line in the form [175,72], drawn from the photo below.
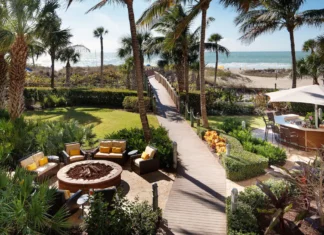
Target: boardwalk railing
[173,94]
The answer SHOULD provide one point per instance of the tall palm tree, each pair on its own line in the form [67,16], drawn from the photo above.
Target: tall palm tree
[272,15]
[35,49]
[137,62]
[54,38]
[213,45]
[310,45]
[18,26]
[99,33]
[70,54]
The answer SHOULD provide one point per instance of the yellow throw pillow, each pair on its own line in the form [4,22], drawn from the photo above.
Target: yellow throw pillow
[145,156]
[43,161]
[67,194]
[32,167]
[74,152]
[104,149]
[116,150]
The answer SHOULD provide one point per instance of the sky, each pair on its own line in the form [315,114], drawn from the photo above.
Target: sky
[115,19]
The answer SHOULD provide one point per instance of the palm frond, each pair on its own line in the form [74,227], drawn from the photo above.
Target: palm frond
[7,38]
[312,17]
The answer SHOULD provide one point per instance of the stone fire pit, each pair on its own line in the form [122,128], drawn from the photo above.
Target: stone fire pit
[90,174]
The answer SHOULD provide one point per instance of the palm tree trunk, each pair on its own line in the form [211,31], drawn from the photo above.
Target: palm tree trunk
[102,56]
[315,81]
[197,82]
[68,73]
[216,66]
[186,69]
[202,65]
[17,74]
[138,72]
[3,81]
[179,72]
[53,70]
[293,57]
[128,78]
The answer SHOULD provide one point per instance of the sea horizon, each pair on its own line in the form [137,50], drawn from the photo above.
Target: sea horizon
[236,60]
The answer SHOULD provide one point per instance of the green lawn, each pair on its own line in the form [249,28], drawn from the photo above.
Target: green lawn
[105,120]
[253,121]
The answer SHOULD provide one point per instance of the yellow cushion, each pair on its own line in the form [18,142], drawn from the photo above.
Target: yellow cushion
[116,150]
[43,161]
[32,167]
[74,152]
[67,194]
[145,156]
[104,149]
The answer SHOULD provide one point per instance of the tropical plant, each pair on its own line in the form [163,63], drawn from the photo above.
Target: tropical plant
[70,54]
[279,206]
[52,36]
[312,65]
[3,80]
[137,62]
[272,15]
[310,45]
[99,33]
[35,49]
[127,67]
[213,45]
[19,21]
[25,206]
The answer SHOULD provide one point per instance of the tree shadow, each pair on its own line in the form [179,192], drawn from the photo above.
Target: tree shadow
[156,176]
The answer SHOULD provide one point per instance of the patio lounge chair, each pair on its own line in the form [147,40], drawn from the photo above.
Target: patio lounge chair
[73,153]
[42,169]
[143,166]
[108,195]
[112,150]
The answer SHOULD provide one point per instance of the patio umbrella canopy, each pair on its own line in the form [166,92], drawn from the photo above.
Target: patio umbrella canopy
[313,94]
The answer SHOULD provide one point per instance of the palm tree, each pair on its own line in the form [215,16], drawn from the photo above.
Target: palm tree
[3,80]
[17,27]
[128,66]
[70,54]
[53,37]
[312,65]
[214,46]
[35,48]
[137,62]
[310,45]
[272,15]
[99,33]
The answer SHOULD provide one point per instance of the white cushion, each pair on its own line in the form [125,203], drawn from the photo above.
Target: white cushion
[38,156]
[150,151]
[42,169]
[24,163]
[76,158]
[137,161]
[108,155]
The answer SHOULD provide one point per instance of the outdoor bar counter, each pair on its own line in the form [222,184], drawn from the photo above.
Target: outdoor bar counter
[308,138]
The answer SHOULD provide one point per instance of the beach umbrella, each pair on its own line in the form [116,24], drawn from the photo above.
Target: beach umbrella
[313,94]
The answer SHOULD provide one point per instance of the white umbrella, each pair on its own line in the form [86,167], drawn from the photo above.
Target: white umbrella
[313,94]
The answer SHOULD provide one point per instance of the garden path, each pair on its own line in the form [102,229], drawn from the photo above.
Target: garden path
[196,203]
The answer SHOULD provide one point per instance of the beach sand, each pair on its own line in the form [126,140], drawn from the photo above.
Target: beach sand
[260,82]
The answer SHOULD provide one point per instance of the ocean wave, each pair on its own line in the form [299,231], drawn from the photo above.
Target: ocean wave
[236,65]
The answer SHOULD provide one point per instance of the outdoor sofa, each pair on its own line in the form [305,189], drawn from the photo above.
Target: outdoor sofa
[40,165]
[112,150]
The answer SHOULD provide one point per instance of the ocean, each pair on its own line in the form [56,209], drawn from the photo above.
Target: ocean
[244,60]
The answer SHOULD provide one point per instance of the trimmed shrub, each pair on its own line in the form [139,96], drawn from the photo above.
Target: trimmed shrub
[302,108]
[52,101]
[131,103]
[241,164]
[230,124]
[160,140]
[82,96]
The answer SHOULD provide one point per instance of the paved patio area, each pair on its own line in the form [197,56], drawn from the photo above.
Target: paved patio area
[196,204]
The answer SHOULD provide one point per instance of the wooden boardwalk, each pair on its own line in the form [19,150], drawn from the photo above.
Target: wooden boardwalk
[196,204]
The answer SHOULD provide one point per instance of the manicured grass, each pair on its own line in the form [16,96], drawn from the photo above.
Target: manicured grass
[105,120]
[253,121]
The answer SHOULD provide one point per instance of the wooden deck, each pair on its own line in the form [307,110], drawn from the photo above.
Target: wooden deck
[196,204]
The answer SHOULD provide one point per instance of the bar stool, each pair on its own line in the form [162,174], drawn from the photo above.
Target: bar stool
[276,134]
[271,117]
[268,126]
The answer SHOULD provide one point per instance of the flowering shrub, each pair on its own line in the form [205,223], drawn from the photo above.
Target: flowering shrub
[215,141]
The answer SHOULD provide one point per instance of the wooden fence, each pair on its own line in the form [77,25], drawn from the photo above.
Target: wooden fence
[173,94]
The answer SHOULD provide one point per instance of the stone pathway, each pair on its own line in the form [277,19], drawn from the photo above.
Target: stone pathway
[196,204]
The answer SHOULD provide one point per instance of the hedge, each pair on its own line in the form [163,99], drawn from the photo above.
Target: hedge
[219,107]
[81,96]
[131,103]
[241,164]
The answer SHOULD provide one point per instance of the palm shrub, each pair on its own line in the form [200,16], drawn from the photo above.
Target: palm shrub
[125,217]
[24,208]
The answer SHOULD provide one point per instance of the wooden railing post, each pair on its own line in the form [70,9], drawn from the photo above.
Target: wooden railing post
[155,196]
[234,195]
[175,154]
[191,117]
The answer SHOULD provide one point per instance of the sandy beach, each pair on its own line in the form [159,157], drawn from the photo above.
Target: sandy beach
[243,80]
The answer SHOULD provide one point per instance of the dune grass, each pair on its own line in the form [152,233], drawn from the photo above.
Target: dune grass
[105,120]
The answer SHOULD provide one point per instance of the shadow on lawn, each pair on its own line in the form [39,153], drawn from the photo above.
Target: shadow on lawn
[69,113]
